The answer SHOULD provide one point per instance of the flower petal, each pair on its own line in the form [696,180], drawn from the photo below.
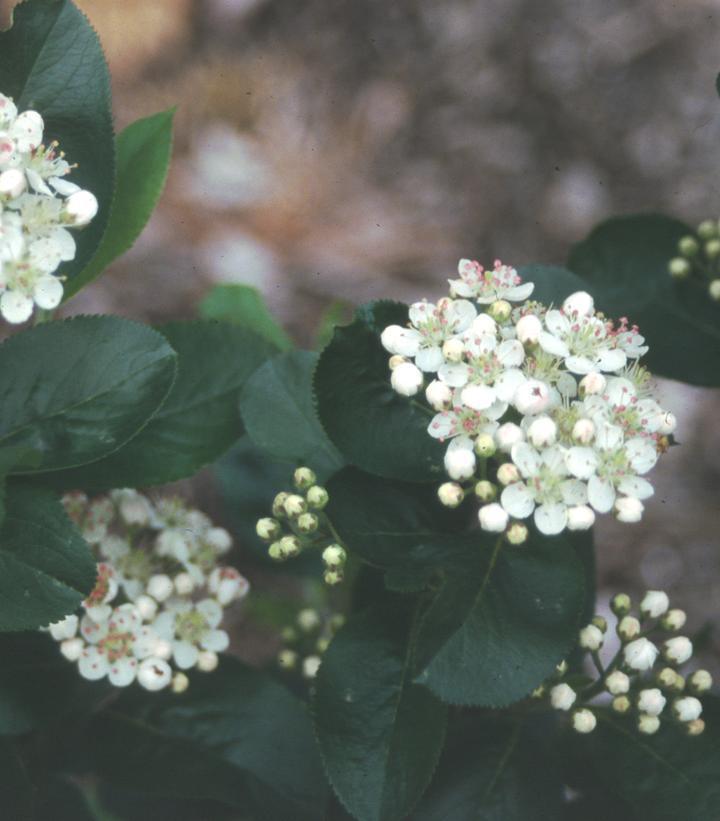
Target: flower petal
[550,519]
[185,654]
[517,500]
[601,494]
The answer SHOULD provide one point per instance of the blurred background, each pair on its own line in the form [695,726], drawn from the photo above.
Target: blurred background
[355,149]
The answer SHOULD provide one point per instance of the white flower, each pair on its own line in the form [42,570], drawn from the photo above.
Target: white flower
[311,665]
[678,649]
[562,696]
[406,379]
[486,286]
[228,585]
[652,701]
[688,708]
[460,459]
[640,654]
[160,586]
[655,603]
[532,397]
[591,637]
[493,518]
[439,395]
[191,628]
[617,683]
[542,432]
[584,721]
[154,674]
[528,329]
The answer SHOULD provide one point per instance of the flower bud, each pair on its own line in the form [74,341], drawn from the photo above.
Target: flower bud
[579,304]
[688,246]
[621,704]
[147,607]
[500,310]
[450,494]
[591,638]
[160,587]
[493,518]
[406,379]
[695,727]
[679,268]
[640,654]
[674,620]
[390,337]
[180,683]
[628,628]
[651,701]
[311,665]
[621,604]
[584,721]
[667,678]
[12,183]
[542,432]
[287,659]
[289,546]
[714,290]
[508,473]
[517,533]
[334,556]
[580,517]
[207,661]
[485,446]
[183,584]
[628,509]
[562,696]
[700,682]
[561,669]
[395,361]
[81,207]
[321,645]
[688,708]
[532,397]
[528,329]
[583,431]
[72,649]
[308,619]
[438,395]
[304,478]
[485,491]
[617,683]
[712,248]
[508,435]
[453,350]
[154,674]
[678,650]
[307,523]
[275,552]
[592,384]
[707,229]
[294,505]
[654,604]
[459,463]
[317,497]
[332,577]
[648,725]
[278,505]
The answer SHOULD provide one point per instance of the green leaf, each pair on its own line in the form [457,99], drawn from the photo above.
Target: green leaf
[665,777]
[46,568]
[244,305]
[380,734]
[279,415]
[51,61]
[143,157]
[501,622]
[552,283]
[372,426]
[75,391]
[198,421]
[624,263]
[495,769]
[16,789]
[235,736]
[337,313]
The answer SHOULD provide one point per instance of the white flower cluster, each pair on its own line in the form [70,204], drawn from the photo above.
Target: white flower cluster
[305,526]
[555,396]
[305,641]
[160,592]
[625,677]
[37,207]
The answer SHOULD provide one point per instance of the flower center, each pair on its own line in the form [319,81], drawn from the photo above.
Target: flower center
[191,626]
[116,646]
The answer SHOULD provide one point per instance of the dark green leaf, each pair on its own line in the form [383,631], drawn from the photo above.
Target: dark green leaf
[244,305]
[46,568]
[279,415]
[16,790]
[236,736]
[500,624]
[624,263]
[372,426]
[61,800]
[77,390]
[198,421]
[51,61]
[552,283]
[380,734]
[143,157]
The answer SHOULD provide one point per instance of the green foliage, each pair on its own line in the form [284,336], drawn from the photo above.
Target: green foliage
[552,283]
[372,426]
[75,391]
[244,305]
[279,415]
[51,61]
[16,789]
[143,157]
[46,568]
[235,736]
[380,734]
[198,421]
[624,263]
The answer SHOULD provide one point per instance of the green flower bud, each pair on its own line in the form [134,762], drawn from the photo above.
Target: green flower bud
[621,604]
[712,248]
[304,478]
[268,529]
[500,310]
[667,678]
[295,505]
[307,523]
[628,628]
[600,623]
[679,268]
[275,552]
[288,635]
[450,494]
[289,546]
[336,622]
[707,229]
[517,533]
[700,682]
[485,446]
[696,727]
[308,619]
[674,620]
[648,725]
[333,577]
[278,505]
[321,645]
[287,659]
[485,491]
[334,556]
[688,246]
[317,497]
[621,704]
[714,290]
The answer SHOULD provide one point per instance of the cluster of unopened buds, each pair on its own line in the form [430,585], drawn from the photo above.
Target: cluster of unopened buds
[298,523]
[160,594]
[305,641]
[37,207]
[699,254]
[642,678]
[546,411]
